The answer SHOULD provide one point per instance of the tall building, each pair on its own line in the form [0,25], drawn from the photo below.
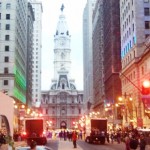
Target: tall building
[29,54]
[13,48]
[112,54]
[62,104]
[87,54]
[135,25]
[98,58]
[37,46]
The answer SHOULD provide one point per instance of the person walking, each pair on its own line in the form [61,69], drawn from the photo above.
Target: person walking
[127,142]
[142,142]
[33,145]
[74,139]
[134,142]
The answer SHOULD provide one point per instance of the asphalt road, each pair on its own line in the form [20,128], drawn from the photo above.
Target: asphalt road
[54,145]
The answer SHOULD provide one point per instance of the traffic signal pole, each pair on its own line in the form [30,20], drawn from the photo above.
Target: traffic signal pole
[131,82]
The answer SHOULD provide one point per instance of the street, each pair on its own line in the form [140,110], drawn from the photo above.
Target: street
[82,145]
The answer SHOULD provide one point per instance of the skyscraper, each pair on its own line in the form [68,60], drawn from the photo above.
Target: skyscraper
[13,48]
[37,46]
[88,54]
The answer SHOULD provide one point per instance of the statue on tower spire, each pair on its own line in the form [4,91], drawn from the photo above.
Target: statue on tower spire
[62,7]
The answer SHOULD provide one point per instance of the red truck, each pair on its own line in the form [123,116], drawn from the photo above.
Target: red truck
[34,130]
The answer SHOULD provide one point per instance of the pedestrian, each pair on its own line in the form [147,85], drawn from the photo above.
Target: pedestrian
[107,137]
[142,142]
[74,139]
[112,137]
[134,142]
[127,142]
[33,145]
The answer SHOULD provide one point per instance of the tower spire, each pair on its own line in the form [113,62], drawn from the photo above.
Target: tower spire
[62,7]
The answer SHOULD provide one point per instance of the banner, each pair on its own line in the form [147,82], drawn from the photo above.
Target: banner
[146,101]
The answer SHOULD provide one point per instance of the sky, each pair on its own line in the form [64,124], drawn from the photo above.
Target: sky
[74,13]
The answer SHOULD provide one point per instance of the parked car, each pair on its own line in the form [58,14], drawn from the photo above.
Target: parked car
[37,148]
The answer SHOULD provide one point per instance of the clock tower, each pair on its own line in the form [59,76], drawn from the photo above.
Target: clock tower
[62,49]
[63,103]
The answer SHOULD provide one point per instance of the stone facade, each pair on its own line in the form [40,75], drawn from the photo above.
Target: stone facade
[62,104]
[132,77]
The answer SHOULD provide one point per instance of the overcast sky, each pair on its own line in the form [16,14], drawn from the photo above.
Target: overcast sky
[74,13]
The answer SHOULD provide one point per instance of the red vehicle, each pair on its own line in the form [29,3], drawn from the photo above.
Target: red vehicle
[34,130]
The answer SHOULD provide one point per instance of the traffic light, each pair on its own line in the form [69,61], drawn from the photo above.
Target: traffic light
[146,87]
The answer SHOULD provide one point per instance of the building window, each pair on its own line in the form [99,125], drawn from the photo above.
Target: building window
[146,11]
[132,14]
[6,59]
[6,48]
[72,110]
[142,70]
[5,70]
[8,6]
[63,86]
[7,37]
[146,1]
[133,27]
[0,5]
[147,24]
[46,111]
[0,15]
[79,111]
[7,27]
[146,35]
[7,16]
[5,82]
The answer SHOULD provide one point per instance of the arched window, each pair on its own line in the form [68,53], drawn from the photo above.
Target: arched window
[63,86]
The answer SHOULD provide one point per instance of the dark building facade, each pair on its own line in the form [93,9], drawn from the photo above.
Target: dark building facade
[112,46]
[98,66]
[29,53]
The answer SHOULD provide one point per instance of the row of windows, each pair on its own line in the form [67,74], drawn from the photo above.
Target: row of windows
[7,27]
[127,21]
[128,33]
[124,2]
[126,12]
[7,16]
[128,59]
[133,75]
[63,111]
[8,5]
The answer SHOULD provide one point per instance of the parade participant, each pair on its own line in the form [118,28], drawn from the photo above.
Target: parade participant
[74,139]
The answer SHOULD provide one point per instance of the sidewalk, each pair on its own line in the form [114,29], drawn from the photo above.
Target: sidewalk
[67,145]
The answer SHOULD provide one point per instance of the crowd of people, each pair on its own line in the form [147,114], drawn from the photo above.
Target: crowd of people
[131,138]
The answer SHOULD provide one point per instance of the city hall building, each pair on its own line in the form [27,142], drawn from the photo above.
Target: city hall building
[62,104]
